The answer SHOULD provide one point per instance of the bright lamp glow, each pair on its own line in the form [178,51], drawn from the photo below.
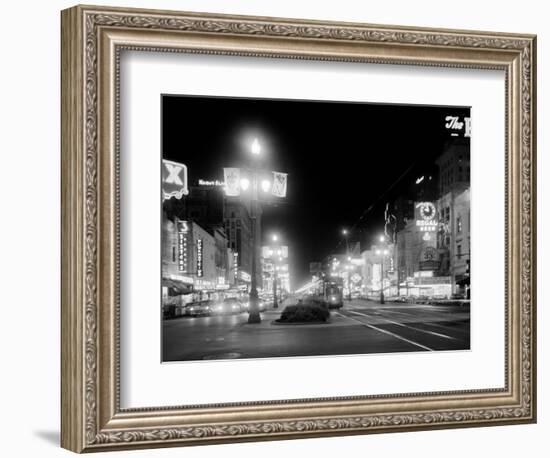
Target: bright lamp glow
[344,231]
[256,147]
[385,252]
[245,183]
[378,252]
[266,185]
[382,238]
[275,237]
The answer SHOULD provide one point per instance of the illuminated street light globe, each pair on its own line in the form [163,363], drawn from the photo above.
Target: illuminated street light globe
[266,185]
[245,183]
[344,231]
[256,147]
[382,238]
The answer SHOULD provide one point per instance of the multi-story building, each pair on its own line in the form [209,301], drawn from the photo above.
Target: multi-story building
[432,238]
[238,227]
[454,166]
[454,238]
[207,205]
[378,271]
[176,282]
[193,259]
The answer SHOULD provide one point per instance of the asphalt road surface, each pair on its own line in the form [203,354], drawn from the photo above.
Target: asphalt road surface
[360,327]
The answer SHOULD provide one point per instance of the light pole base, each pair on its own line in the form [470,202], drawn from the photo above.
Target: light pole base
[254,318]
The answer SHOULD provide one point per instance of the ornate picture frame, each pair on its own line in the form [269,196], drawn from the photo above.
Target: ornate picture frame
[92,40]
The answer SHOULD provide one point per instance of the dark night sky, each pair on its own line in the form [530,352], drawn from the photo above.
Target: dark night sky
[341,158]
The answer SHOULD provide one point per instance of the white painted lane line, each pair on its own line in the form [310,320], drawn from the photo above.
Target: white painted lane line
[397,336]
[434,325]
[411,327]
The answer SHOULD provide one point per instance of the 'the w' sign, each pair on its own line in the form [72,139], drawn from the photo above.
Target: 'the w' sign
[174,180]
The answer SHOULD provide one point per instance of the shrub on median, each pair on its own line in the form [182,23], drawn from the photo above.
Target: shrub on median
[310,311]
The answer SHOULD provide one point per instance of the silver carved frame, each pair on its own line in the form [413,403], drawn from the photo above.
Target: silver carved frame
[92,39]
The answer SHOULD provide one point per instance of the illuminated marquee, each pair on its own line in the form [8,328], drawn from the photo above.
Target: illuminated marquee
[426,220]
[199,258]
[183,231]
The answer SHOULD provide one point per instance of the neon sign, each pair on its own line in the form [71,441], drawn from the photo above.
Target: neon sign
[199,258]
[453,123]
[174,180]
[426,221]
[211,182]
[183,230]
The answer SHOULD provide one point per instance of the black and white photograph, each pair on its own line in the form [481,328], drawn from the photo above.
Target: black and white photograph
[312,228]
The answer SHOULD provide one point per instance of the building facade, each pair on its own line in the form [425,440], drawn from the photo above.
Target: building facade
[454,239]
[275,268]
[223,217]
[454,166]
[432,237]
[238,227]
[378,271]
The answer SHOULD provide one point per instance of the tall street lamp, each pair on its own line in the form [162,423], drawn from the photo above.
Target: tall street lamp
[345,233]
[253,181]
[254,306]
[382,251]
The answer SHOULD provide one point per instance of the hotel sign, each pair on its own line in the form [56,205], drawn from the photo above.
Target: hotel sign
[211,182]
[457,125]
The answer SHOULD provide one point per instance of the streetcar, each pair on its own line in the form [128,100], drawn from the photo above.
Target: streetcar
[333,292]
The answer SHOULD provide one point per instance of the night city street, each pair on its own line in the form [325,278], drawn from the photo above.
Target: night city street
[311,228]
[361,326]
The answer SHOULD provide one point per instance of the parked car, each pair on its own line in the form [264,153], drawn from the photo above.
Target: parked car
[198,308]
[226,307]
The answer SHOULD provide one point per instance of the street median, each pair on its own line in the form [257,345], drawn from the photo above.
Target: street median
[309,311]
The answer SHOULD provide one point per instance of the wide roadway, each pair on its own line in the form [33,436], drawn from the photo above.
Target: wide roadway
[360,327]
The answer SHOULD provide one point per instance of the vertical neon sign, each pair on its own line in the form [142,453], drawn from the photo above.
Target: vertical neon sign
[183,230]
[199,258]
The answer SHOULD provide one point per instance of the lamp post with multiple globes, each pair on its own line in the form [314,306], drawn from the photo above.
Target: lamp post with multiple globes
[255,183]
[382,251]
